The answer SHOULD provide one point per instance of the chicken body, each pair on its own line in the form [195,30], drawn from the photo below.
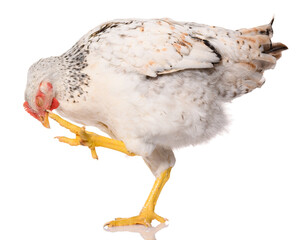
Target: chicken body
[156,84]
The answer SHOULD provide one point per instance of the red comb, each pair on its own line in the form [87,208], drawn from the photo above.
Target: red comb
[30,111]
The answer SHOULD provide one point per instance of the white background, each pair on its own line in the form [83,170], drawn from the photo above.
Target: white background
[242,185]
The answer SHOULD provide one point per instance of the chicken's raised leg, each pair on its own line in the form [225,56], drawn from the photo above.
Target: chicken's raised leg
[147,214]
[88,139]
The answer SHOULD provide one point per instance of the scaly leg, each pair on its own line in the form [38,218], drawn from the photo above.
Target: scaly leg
[147,214]
[88,139]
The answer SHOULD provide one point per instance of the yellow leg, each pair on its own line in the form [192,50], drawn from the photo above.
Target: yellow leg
[88,139]
[147,214]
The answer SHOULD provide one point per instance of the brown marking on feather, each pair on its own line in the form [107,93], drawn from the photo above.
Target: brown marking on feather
[182,36]
[172,27]
[184,44]
[249,30]
[157,50]
[164,49]
[177,47]
[264,30]
[151,63]
[250,39]
[142,29]
[187,43]
[263,39]
[103,124]
[249,65]
[183,41]
[277,55]
[159,23]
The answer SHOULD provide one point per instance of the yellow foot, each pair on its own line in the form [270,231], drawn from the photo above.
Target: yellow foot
[142,219]
[88,139]
[147,215]
[82,138]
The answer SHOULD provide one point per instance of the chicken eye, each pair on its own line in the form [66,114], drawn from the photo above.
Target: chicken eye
[39,101]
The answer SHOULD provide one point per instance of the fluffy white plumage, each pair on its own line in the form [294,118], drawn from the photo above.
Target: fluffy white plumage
[156,84]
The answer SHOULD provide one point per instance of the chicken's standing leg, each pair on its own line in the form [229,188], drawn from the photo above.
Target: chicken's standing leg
[89,139]
[147,214]
[93,140]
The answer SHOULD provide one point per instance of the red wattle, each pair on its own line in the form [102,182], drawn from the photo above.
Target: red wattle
[54,104]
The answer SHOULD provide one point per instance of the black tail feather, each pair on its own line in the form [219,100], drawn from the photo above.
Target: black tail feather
[275,48]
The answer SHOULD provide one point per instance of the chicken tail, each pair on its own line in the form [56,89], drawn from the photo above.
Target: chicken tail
[261,54]
[267,52]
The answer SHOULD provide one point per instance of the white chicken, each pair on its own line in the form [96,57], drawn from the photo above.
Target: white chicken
[152,85]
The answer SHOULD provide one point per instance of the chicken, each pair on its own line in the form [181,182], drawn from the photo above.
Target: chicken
[152,86]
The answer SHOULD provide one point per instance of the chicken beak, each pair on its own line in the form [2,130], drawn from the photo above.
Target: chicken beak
[45,120]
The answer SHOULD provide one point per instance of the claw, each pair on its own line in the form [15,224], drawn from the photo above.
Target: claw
[94,154]
[88,139]
[142,219]
[78,141]
[70,141]
[160,219]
